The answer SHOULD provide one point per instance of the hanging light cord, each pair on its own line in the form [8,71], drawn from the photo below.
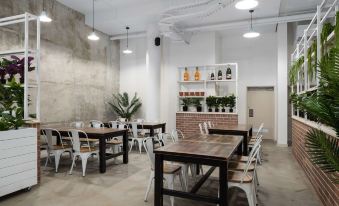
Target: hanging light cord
[251,11]
[43,5]
[127,28]
[93,16]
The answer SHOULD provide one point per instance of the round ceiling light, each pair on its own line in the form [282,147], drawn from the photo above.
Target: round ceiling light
[44,18]
[93,36]
[251,34]
[246,4]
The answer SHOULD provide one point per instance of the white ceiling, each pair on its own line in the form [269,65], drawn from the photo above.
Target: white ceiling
[113,15]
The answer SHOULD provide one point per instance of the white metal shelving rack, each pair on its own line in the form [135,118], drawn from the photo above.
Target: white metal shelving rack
[209,87]
[311,33]
[26,51]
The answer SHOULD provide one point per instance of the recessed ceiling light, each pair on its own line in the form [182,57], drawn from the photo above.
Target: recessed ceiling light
[246,4]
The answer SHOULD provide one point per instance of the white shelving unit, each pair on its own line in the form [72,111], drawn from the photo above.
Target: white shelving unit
[217,88]
[312,33]
[32,83]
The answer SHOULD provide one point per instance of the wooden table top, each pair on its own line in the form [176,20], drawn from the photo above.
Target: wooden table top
[151,123]
[205,146]
[236,127]
[88,130]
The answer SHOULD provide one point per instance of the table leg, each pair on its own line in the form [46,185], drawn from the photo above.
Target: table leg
[151,132]
[102,155]
[223,184]
[158,186]
[250,132]
[125,147]
[245,145]
[240,147]
[163,128]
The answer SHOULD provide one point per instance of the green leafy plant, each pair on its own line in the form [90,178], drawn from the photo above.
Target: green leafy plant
[231,101]
[197,103]
[324,106]
[336,31]
[326,31]
[223,101]
[186,102]
[311,67]
[124,108]
[210,101]
[295,68]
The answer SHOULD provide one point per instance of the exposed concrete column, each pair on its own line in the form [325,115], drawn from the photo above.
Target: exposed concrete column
[282,86]
[153,64]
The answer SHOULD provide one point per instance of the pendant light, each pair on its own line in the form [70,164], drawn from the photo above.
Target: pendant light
[246,4]
[127,51]
[93,36]
[251,33]
[43,16]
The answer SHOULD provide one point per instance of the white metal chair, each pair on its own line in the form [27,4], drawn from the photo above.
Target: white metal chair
[96,124]
[56,150]
[84,152]
[244,179]
[113,124]
[77,124]
[170,171]
[137,137]
[176,134]
[206,127]
[210,124]
[255,139]
[115,143]
[201,129]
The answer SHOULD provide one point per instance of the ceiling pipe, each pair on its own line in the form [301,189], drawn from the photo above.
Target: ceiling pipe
[233,25]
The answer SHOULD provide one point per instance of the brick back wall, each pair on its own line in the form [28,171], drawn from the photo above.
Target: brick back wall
[188,123]
[326,190]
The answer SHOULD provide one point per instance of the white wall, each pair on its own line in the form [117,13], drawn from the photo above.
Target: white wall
[257,59]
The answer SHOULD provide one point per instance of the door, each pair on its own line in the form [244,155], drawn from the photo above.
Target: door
[260,104]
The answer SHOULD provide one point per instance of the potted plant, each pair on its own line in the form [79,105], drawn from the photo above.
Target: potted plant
[217,104]
[124,108]
[210,101]
[231,102]
[186,102]
[196,102]
[223,103]
[2,74]
[19,64]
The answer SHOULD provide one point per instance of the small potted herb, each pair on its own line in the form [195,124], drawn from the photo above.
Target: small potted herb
[196,102]
[186,102]
[223,103]
[231,102]
[210,101]
[217,104]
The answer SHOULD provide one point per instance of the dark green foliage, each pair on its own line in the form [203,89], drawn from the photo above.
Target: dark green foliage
[295,68]
[124,108]
[196,102]
[211,101]
[231,101]
[186,102]
[223,101]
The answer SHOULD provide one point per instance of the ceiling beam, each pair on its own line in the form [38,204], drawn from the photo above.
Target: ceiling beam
[232,25]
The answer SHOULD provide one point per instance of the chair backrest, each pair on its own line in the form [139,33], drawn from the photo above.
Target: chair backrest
[260,130]
[134,129]
[210,124]
[175,135]
[206,127]
[96,124]
[48,133]
[75,139]
[139,120]
[121,119]
[254,154]
[201,130]
[163,137]
[113,124]
[121,125]
[77,124]
[148,145]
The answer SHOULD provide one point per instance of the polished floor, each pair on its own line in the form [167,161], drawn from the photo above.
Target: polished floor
[282,183]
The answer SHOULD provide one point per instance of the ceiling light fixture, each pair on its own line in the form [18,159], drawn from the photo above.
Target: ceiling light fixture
[93,36]
[246,4]
[127,51]
[251,33]
[43,16]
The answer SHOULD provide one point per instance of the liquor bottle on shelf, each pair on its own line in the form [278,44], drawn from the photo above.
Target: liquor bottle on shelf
[197,74]
[186,75]
[228,73]
[220,75]
[212,76]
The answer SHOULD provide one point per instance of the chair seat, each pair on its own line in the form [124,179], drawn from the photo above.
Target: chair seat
[86,149]
[240,166]
[240,158]
[114,142]
[171,168]
[60,147]
[234,176]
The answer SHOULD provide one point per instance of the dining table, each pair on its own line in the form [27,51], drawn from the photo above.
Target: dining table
[209,149]
[151,126]
[102,134]
[244,130]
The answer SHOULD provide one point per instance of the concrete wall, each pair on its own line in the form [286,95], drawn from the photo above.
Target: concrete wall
[78,76]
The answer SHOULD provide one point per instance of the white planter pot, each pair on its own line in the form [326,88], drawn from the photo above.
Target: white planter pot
[18,160]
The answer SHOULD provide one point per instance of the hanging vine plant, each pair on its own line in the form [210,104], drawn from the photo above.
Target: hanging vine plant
[295,68]
[328,28]
[311,66]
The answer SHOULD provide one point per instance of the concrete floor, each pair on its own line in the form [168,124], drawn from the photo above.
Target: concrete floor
[283,183]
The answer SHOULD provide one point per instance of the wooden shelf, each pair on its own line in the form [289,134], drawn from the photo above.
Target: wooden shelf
[191,82]
[226,80]
[182,97]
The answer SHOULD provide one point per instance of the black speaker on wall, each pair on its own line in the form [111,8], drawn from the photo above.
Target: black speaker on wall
[157,41]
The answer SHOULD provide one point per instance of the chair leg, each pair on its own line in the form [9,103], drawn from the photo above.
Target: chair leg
[182,182]
[57,157]
[170,182]
[140,145]
[73,163]
[151,178]
[48,155]
[249,193]
[185,175]
[84,159]
[132,144]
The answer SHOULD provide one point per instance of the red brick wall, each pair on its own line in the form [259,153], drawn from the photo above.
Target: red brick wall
[326,190]
[188,123]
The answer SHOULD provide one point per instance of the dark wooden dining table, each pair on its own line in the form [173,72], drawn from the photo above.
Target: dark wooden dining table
[102,134]
[151,126]
[211,150]
[244,130]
